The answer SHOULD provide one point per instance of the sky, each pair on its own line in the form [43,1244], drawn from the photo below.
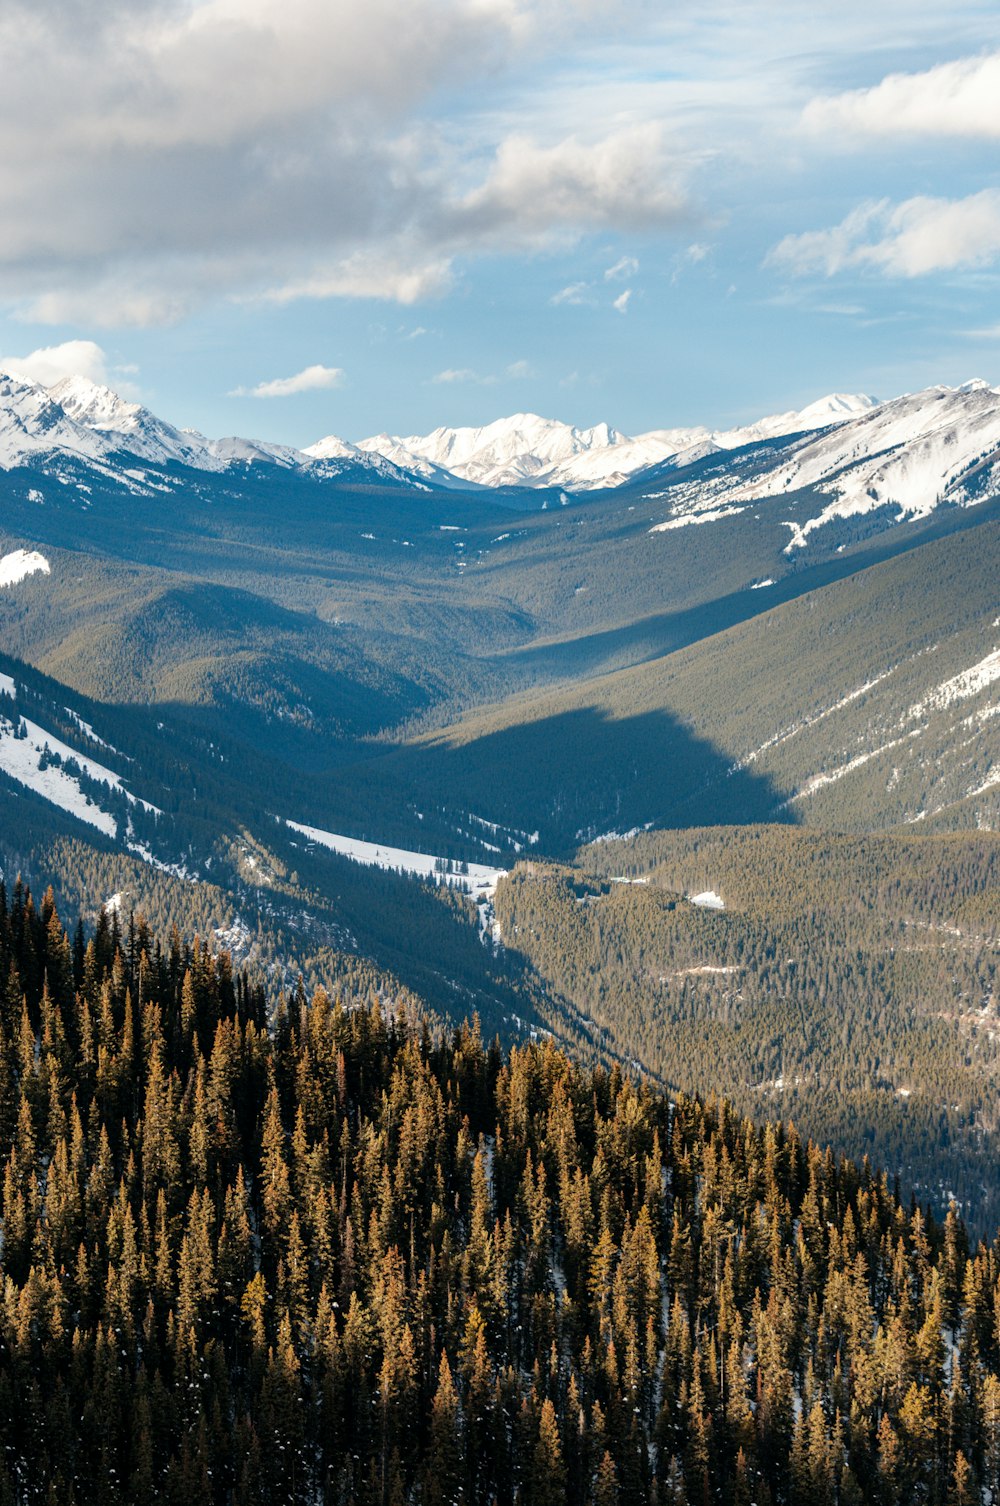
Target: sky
[292,218]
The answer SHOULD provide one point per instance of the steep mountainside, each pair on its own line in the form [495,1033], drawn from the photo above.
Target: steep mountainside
[870,703]
[902,459]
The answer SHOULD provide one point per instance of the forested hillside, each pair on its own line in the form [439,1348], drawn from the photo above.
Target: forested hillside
[850,982]
[345,1261]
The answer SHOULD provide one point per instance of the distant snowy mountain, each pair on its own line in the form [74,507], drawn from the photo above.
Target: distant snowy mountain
[857,456]
[127,425]
[910,454]
[523,450]
[333,449]
[526,450]
[79,418]
[32,423]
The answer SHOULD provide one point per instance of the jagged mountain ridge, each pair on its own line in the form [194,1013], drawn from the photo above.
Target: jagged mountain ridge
[527,450]
[83,420]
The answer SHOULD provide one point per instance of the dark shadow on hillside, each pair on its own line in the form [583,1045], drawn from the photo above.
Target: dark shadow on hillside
[652,637]
[570,777]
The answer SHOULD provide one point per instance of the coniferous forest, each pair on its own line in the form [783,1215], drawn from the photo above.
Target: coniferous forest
[331,1257]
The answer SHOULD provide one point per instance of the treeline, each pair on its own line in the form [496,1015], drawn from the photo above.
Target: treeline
[337,1259]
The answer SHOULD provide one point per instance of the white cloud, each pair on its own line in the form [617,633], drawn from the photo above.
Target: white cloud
[362,276]
[625,180]
[517,371]
[621,303]
[953,99]
[157,154]
[53,362]
[311,379]
[911,239]
[577,294]
[625,266]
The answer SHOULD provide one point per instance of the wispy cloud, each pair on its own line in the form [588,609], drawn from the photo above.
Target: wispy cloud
[392,278]
[577,294]
[621,303]
[517,371]
[310,379]
[911,239]
[952,99]
[453,374]
[625,266]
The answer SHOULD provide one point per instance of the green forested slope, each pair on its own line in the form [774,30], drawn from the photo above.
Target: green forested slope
[851,983]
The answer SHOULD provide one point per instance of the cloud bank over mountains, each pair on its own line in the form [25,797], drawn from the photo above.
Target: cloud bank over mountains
[288,149]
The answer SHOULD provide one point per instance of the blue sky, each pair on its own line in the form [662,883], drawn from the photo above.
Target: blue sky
[290,218]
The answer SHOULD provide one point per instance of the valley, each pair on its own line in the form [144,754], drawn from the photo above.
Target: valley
[354,720]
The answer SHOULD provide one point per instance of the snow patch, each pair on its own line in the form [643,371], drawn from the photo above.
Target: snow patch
[21,563]
[710,515]
[707,900]
[960,687]
[21,758]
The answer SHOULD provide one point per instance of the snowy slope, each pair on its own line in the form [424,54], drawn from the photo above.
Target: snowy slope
[27,751]
[33,424]
[909,454]
[526,450]
[477,879]
[128,426]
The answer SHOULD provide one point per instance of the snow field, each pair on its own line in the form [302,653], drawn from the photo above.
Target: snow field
[480,881]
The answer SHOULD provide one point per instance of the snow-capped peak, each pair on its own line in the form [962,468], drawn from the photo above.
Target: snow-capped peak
[521,450]
[32,423]
[528,450]
[79,417]
[332,447]
[141,432]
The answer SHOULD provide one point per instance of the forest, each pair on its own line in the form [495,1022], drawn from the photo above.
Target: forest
[336,1255]
[850,983]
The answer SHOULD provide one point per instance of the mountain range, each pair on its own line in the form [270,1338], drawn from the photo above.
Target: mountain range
[407,732]
[525,450]
[857,459]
